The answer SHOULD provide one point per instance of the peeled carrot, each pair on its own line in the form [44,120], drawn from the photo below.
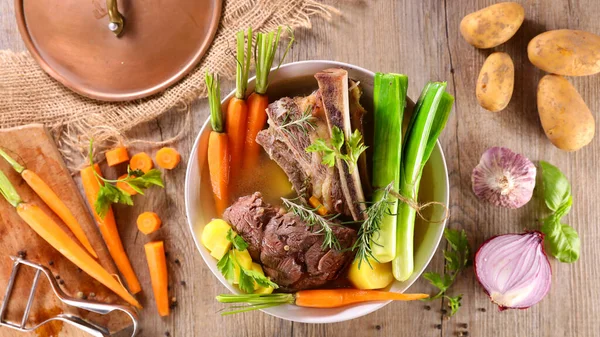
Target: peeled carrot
[324,298]
[141,161]
[236,115]
[148,222]
[257,118]
[155,254]
[52,233]
[108,228]
[168,158]
[218,147]
[125,186]
[117,156]
[315,203]
[52,200]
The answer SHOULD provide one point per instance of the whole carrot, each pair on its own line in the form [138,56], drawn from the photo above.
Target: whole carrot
[52,233]
[218,147]
[319,298]
[258,101]
[52,200]
[108,227]
[237,110]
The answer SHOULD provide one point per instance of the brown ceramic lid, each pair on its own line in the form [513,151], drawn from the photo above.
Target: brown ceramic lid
[160,43]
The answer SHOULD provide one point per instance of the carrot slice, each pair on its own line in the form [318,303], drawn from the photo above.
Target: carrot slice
[315,203]
[218,167]
[58,207]
[155,254]
[168,158]
[148,222]
[257,118]
[117,156]
[108,228]
[42,224]
[125,186]
[141,161]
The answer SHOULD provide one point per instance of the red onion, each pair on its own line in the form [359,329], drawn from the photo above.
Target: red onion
[514,269]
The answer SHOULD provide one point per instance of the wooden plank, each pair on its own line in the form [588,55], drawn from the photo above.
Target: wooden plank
[33,147]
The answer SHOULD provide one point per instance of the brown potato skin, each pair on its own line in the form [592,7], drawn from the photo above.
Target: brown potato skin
[493,25]
[566,119]
[496,82]
[566,52]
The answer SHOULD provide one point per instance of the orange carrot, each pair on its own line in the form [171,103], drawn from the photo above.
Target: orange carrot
[52,233]
[141,161]
[266,47]
[257,118]
[324,298]
[52,200]
[168,158]
[155,254]
[117,156]
[237,110]
[218,147]
[316,204]
[125,186]
[108,228]
[148,222]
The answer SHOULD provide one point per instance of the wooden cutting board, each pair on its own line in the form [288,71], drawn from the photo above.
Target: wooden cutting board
[34,148]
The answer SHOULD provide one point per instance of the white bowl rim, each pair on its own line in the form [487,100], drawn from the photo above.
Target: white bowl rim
[359,312]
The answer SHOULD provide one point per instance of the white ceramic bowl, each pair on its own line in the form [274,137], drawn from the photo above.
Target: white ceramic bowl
[297,79]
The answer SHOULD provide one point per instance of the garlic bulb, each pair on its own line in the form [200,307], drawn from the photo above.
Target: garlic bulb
[504,178]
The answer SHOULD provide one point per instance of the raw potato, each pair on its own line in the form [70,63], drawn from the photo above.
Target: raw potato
[493,25]
[495,82]
[566,119]
[566,52]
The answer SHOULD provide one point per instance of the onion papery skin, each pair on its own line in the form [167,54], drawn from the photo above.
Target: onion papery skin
[514,270]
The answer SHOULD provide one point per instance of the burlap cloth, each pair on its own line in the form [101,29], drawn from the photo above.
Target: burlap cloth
[29,95]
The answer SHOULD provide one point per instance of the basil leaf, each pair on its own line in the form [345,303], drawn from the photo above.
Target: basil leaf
[562,241]
[557,190]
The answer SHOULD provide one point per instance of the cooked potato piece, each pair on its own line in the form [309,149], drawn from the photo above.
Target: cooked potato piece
[565,117]
[495,82]
[257,288]
[366,278]
[214,238]
[566,52]
[493,25]
[243,258]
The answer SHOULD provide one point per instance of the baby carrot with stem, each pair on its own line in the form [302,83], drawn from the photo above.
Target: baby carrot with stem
[51,232]
[318,298]
[50,198]
[236,116]
[218,147]
[258,101]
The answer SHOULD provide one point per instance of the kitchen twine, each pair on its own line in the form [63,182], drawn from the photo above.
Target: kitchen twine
[420,207]
[28,95]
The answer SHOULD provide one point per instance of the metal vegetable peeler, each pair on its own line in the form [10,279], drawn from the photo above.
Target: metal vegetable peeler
[83,324]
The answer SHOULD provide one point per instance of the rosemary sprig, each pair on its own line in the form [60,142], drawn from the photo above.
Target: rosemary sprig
[370,227]
[305,123]
[311,218]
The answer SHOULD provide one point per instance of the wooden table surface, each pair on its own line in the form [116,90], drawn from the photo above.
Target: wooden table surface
[422,40]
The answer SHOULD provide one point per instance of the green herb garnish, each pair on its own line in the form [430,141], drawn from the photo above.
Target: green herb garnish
[458,257]
[247,278]
[562,241]
[354,147]
[312,218]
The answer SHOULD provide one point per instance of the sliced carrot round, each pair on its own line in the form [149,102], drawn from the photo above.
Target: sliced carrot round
[148,222]
[167,158]
[125,186]
[117,156]
[141,161]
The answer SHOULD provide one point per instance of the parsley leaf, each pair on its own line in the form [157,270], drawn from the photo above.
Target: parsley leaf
[108,195]
[246,283]
[458,257]
[354,147]
[237,241]
[226,267]
[149,178]
[260,279]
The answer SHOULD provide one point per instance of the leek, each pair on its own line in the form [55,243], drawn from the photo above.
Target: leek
[389,100]
[427,122]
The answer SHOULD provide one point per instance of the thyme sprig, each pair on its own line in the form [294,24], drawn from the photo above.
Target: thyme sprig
[305,123]
[312,219]
[370,227]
